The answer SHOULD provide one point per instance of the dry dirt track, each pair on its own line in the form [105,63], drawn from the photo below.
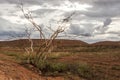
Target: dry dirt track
[10,70]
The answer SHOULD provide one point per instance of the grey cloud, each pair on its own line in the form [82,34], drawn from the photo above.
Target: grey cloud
[4,23]
[114,38]
[43,11]
[8,29]
[76,29]
[101,10]
[85,31]
[19,1]
[107,8]
[4,33]
[106,2]
[114,32]
[53,2]
[107,22]
[104,28]
[7,26]
[11,34]
[86,34]
[32,2]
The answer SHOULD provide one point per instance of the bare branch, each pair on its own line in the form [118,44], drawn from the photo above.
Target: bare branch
[46,45]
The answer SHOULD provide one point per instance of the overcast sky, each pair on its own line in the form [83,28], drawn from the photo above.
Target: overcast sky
[94,20]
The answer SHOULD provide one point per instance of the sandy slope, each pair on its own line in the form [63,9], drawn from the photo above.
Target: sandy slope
[10,70]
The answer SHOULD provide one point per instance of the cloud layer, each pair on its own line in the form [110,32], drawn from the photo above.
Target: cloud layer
[94,20]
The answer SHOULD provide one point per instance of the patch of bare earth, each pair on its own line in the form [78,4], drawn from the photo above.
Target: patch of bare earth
[10,70]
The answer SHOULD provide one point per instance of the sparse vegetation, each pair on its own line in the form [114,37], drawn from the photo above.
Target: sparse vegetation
[50,68]
[89,65]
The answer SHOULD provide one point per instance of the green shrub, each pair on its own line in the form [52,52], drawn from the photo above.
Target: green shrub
[84,71]
[52,69]
[48,67]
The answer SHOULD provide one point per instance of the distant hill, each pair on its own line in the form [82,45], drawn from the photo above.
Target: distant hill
[37,42]
[107,43]
[59,43]
[63,45]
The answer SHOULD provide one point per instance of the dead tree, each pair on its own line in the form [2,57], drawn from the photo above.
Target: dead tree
[46,46]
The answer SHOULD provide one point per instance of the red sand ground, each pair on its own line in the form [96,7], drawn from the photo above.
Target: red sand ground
[10,70]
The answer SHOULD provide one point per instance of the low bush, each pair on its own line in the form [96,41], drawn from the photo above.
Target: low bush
[56,69]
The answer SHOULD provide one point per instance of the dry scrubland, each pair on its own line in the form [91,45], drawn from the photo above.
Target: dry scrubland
[70,60]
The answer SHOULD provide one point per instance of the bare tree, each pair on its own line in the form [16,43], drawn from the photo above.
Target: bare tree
[46,46]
